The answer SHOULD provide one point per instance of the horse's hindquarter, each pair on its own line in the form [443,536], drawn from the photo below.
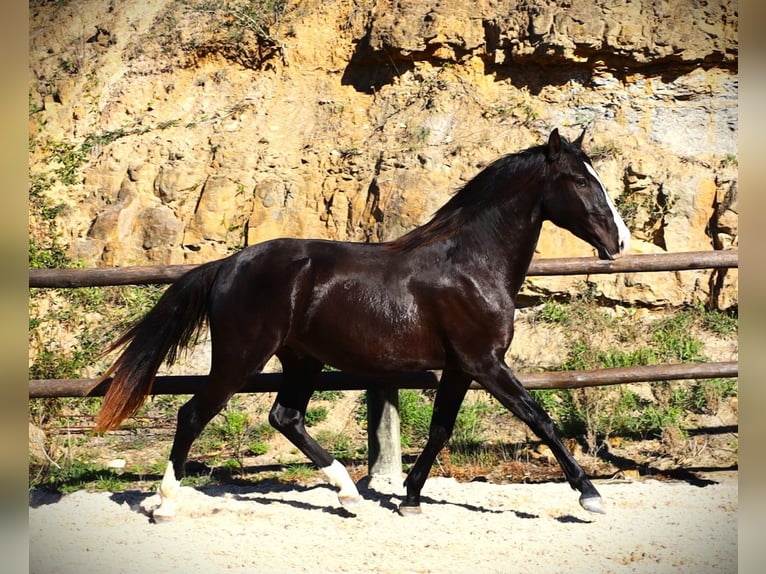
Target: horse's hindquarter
[257,292]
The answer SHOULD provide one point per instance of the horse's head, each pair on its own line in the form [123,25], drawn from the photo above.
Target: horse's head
[576,200]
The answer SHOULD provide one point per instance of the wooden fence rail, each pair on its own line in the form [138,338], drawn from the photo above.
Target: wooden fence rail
[384,450]
[340,381]
[143,275]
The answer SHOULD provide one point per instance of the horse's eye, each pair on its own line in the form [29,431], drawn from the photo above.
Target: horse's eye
[581,182]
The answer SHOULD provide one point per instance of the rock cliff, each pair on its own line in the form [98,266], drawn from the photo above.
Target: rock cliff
[176,131]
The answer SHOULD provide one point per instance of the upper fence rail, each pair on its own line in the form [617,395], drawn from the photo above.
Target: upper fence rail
[146,275]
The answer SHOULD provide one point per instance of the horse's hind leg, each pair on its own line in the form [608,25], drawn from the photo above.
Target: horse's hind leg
[300,376]
[192,419]
[227,376]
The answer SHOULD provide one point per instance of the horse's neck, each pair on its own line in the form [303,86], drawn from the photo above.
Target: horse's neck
[506,250]
[521,260]
[525,222]
[520,250]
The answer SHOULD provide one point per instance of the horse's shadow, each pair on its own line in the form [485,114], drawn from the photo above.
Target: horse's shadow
[43,497]
[391,501]
[133,498]
[259,493]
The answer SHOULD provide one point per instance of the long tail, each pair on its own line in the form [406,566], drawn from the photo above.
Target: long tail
[169,326]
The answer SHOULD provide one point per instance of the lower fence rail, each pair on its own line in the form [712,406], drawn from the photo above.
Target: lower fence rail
[383,424]
[341,381]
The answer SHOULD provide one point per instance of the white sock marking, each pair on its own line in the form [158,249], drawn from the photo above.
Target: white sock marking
[622,229]
[338,476]
[169,486]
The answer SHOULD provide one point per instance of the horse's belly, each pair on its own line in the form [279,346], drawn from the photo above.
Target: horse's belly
[372,348]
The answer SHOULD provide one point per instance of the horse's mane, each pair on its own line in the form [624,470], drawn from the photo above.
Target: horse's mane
[476,200]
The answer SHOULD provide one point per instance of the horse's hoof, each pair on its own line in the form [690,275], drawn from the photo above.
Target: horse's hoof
[352,504]
[592,504]
[410,510]
[162,515]
[165,512]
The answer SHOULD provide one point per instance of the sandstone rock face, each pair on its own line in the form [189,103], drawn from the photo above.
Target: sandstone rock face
[195,130]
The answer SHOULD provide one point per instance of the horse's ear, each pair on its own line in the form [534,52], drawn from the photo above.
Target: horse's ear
[580,138]
[554,144]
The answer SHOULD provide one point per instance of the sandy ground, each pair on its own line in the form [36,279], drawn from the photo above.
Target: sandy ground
[478,527]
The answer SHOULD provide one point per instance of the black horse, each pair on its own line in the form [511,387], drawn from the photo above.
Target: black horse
[440,297]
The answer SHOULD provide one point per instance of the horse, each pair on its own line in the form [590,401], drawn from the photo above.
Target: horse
[440,297]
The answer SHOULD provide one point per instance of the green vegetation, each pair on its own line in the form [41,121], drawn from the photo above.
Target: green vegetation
[233,431]
[604,151]
[417,138]
[600,412]
[521,112]
[416,409]
[330,396]
[78,475]
[647,208]
[315,415]
[70,328]
[298,472]
[235,23]
[66,158]
[341,445]
[719,322]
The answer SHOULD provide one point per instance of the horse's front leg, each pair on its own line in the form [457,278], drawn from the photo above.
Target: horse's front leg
[503,384]
[449,397]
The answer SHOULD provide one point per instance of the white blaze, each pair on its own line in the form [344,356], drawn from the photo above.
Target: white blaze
[622,229]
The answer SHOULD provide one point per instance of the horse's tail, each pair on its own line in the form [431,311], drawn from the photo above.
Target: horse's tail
[172,324]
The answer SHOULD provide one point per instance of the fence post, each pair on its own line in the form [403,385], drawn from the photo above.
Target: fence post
[383,438]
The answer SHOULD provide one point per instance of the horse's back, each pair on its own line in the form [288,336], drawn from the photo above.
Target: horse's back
[351,305]
[289,277]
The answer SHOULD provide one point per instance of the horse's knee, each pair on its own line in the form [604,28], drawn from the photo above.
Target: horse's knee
[275,417]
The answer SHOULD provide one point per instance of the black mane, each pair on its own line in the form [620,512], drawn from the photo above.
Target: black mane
[478,199]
